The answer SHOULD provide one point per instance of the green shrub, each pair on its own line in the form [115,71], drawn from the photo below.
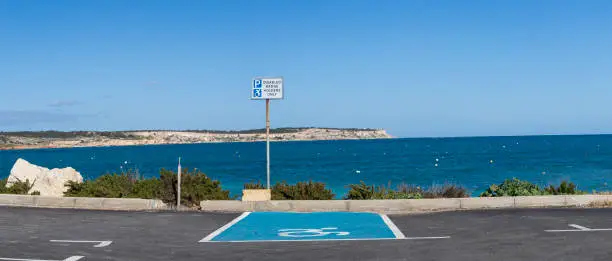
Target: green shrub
[19,187]
[516,187]
[363,191]
[147,188]
[195,187]
[446,191]
[565,188]
[301,191]
[105,186]
[360,191]
[513,187]
[392,194]
[76,189]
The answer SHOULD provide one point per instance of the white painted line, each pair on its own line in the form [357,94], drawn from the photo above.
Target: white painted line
[396,231]
[72,258]
[578,230]
[225,227]
[346,239]
[579,227]
[100,243]
[418,238]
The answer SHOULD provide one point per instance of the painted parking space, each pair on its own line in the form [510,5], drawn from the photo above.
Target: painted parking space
[283,226]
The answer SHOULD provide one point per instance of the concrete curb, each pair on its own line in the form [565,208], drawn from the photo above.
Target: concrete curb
[379,206]
[81,203]
[405,205]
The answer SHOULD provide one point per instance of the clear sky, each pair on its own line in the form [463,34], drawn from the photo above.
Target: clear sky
[415,68]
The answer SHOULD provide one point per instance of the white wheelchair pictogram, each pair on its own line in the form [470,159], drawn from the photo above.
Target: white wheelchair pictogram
[310,232]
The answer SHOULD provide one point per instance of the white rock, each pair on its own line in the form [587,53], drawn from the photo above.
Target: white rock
[47,182]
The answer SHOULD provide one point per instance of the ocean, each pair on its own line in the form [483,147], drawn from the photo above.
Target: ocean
[474,163]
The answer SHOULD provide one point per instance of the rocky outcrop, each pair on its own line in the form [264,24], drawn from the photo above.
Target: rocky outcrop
[47,182]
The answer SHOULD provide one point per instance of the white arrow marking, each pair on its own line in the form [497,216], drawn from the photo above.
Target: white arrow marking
[579,227]
[72,258]
[100,243]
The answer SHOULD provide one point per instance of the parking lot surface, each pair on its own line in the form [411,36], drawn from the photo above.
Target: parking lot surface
[516,234]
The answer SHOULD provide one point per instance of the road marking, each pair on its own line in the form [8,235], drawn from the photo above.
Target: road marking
[310,232]
[332,239]
[100,243]
[225,227]
[578,228]
[314,226]
[72,258]
[396,231]
[296,226]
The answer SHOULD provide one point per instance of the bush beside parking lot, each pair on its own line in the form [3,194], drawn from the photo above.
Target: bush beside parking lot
[300,191]
[20,187]
[363,191]
[517,187]
[197,186]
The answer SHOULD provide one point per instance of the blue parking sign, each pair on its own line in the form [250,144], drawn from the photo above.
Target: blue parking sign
[257,84]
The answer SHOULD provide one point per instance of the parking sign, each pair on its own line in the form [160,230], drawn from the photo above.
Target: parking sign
[267,88]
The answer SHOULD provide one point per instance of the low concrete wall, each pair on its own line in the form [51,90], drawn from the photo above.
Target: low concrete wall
[380,206]
[484,203]
[404,205]
[81,203]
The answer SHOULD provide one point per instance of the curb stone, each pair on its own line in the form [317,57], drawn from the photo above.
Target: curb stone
[378,206]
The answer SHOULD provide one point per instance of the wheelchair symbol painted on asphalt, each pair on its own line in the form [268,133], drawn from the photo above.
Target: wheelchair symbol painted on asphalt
[310,232]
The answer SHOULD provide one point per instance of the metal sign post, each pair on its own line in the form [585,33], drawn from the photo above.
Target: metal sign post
[268,141]
[267,88]
[178,186]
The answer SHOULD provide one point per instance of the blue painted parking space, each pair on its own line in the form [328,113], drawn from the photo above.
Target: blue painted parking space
[283,226]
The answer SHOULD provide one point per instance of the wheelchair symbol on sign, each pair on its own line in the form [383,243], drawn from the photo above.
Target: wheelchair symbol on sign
[310,232]
[257,92]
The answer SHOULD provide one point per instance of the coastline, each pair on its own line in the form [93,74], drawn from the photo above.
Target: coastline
[147,138]
[186,143]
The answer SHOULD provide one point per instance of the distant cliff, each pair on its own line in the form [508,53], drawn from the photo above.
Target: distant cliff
[56,139]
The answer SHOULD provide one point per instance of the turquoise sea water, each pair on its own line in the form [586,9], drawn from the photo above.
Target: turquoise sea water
[473,162]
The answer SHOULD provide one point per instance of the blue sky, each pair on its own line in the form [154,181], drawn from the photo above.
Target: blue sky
[415,68]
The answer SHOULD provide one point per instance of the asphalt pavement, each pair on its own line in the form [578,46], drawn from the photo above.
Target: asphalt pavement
[515,234]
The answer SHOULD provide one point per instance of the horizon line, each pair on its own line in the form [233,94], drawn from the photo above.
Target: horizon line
[331,128]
